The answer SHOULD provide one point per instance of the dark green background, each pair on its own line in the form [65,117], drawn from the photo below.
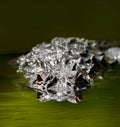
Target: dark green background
[23,24]
[26,23]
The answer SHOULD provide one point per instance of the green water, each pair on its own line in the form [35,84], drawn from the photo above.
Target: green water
[23,24]
[19,107]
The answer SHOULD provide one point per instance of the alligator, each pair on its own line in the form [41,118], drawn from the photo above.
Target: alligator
[66,67]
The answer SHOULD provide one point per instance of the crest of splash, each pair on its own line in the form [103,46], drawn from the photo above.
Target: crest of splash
[60,70]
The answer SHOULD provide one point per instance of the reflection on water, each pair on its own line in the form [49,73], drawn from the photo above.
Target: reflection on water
[19,108]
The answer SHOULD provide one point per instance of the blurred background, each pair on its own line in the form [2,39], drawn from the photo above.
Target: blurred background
[23,24]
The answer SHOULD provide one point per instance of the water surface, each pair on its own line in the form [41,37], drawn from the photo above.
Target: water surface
[19,107]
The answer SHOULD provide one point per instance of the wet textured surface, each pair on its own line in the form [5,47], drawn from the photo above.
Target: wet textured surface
[64,68]
[18,107]
[61,70]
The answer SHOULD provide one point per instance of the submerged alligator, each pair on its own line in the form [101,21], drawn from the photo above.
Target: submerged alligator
[66,67]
